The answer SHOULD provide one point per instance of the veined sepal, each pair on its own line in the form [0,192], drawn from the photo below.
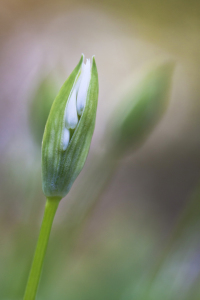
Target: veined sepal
[66,140]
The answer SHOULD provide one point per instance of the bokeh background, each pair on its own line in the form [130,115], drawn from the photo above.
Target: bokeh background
[135,233]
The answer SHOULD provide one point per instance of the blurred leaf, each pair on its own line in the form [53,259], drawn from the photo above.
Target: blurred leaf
[40,107]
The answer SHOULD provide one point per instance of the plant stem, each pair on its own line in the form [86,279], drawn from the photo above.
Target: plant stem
[36,268]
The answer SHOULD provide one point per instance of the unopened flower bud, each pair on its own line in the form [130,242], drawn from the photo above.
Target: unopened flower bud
[69,130]
[141,109]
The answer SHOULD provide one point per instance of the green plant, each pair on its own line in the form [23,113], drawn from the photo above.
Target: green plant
[66,143]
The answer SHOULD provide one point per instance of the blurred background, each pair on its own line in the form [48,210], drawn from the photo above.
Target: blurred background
[128,229]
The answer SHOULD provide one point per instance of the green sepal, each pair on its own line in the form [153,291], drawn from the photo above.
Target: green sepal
[61,167]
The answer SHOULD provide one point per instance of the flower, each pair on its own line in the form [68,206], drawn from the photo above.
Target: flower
[69,129]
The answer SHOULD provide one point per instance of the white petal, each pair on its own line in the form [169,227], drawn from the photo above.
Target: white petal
[71,118]
[83,88]
[77,84]
[66,137]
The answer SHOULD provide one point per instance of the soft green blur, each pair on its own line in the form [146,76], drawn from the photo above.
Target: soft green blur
[129,228]
[141,109]
[40,107]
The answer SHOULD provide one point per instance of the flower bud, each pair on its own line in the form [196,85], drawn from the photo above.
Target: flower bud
[69,130]
[141,109]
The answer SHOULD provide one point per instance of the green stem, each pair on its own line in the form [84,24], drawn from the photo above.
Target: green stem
[36,268]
